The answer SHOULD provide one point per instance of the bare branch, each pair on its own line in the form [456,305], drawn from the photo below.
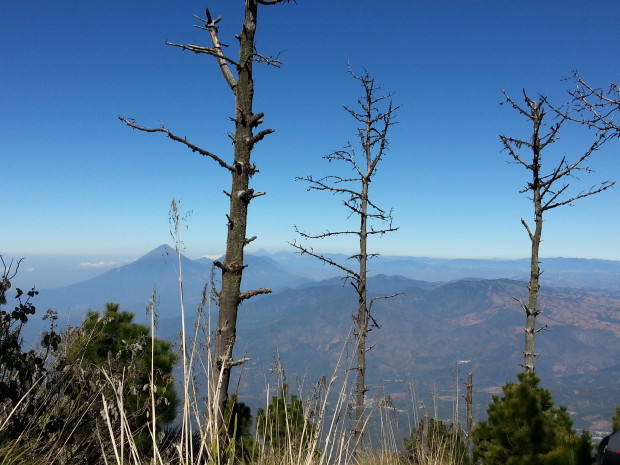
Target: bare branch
[593,107]
[508,142]
[258,137]
[256,119]
[253,292]
[206,50]
[272,2]
[547,205]
[523,306]
[604,186]
[382,231]
[258,58]
[194,148]
[220,57]
[383,297]
[323,258]
[8,271]
[575,166]
[325,234]
[321,185]
[374,325]
[514,104]
[238,362]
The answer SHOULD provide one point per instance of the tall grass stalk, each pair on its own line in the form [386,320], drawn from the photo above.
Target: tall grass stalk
[186,433]
[126,435]
[153,428]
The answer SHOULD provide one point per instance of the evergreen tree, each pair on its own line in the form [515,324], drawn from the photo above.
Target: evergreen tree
[114,344]
[283,422]
[615,420]
[239,422]
[523,428]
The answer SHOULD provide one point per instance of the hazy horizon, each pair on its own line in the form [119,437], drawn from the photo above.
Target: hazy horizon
[62,270]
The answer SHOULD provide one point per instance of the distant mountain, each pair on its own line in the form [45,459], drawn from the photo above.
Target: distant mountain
[569,272]
[422,333]
[263,271]
[133,284]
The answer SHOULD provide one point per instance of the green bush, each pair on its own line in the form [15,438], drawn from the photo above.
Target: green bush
[23,373]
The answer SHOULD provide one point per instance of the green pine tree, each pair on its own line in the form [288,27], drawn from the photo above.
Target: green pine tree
[523,428]
[615,420]
[283,422]
[113,343]
[238,420]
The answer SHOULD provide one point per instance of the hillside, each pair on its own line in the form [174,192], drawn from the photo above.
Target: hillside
[425,332]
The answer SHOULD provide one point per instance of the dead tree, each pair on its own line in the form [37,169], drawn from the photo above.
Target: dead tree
[469,403]
[237,72]
[546,191]
[372,131]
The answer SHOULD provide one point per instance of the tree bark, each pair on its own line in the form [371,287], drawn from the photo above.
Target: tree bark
[533,286]
[363,312]
[240,196]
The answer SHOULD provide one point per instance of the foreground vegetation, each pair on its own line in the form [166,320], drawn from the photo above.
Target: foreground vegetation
[104,393]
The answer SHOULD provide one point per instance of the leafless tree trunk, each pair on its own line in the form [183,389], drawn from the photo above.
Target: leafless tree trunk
[238,75]
[547,191]
[469,403]
[372,137]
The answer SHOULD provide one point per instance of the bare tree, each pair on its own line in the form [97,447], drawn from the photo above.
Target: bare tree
[237,72]
[547,191]
[374,123]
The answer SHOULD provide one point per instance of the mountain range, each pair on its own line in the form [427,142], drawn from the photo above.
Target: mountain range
[450,313]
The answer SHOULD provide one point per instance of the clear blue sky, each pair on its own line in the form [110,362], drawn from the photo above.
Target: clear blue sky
[75,180]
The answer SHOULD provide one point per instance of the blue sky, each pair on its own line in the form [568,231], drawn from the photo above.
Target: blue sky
[76,181]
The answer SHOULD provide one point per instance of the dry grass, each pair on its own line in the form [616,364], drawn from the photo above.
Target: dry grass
[325,438]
